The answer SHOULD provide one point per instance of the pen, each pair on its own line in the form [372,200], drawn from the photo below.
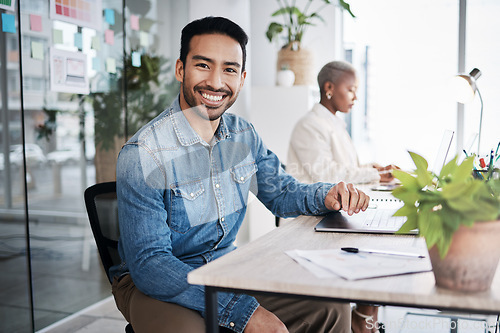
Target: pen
[395,253]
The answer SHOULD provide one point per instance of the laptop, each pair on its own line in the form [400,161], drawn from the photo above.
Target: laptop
[378,218]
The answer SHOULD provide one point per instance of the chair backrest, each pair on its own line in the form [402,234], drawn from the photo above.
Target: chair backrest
[102,210]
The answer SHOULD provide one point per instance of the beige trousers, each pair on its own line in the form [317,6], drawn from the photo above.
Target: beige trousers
[146,314]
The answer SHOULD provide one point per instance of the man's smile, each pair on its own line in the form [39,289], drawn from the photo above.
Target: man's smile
[212,99]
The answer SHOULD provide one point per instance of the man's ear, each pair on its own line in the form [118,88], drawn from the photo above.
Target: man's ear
[179,70]
[243,77]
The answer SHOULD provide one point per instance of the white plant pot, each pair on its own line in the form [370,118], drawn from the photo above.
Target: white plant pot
[285,78]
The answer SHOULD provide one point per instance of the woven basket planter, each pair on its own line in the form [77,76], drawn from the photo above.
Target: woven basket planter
[300,61]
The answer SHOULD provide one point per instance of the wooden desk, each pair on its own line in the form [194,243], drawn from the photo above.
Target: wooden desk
[263,266]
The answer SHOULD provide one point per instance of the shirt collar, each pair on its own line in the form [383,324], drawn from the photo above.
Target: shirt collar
[324,112]
[185,133]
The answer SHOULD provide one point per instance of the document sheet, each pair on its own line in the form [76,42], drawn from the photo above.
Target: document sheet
[354,266]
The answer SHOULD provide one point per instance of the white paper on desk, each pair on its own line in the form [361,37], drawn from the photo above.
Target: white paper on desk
[355,266]
[317,270]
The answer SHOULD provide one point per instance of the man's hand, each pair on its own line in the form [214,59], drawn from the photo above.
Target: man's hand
[263,321]
[346,197]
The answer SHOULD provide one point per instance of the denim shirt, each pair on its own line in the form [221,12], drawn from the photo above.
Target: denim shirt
[181,202]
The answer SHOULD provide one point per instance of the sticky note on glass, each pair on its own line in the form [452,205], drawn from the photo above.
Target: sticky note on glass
[96,43]
[136,59]
[35,22]
[78,40]
[109,37]
[8,23]
[134,22]
[144,38]
[111,65]
[109,16]
[96,64]
[57,36]
[37,50]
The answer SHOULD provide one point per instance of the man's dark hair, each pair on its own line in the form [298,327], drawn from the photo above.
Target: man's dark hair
[213,25]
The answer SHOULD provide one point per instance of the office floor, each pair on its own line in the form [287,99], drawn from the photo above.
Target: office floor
[103,317]
[67,274]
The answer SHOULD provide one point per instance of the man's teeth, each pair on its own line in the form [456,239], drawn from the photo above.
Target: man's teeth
[212,97]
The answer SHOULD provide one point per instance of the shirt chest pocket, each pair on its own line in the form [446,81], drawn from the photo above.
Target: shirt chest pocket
[188,204]
[243,182]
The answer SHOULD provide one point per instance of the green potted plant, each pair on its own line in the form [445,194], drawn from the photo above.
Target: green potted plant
[458,215]
[295,22]
[147,94]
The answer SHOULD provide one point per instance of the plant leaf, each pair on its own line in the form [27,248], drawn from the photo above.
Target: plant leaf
[443,244]
[273,30]
[464,170]
[409,225]
[282,11]
[419,161]
[454,190]
[451,219]
[435,228]
[423,220]
[449,168]
[424,177]
[406,210]
[346,6]
[406,195]
[315,15]
[406,178]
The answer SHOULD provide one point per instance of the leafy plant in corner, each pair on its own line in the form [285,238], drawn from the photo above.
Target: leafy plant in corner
[49,125]
[438,204]
[149,91]
[296,21]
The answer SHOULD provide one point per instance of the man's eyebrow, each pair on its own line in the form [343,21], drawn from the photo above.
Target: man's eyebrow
[200,57]
[227,63]
[232,63]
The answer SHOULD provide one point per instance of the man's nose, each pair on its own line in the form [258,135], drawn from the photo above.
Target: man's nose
[215,80]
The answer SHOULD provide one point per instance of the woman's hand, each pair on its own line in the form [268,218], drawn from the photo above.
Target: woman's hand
[386,172]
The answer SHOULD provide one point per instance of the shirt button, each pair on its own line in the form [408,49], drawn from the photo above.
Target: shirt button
[231,324]
[222,219]
[242,178]
[217,185]
[191,194]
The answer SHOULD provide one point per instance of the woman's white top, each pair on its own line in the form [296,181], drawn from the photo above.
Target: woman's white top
[321,150]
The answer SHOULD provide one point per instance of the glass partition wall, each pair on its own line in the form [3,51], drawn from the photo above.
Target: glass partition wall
[15,293]
[90,73]
[78,77]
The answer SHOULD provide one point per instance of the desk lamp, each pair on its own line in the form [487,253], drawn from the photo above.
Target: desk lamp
[464,87]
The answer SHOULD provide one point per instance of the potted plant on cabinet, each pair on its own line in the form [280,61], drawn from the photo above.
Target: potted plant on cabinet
[459,217]
[292,29]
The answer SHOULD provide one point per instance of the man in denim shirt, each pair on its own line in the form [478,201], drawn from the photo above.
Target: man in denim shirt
[183,181]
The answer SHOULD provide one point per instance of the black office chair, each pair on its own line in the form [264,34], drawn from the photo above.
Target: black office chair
[102,210]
